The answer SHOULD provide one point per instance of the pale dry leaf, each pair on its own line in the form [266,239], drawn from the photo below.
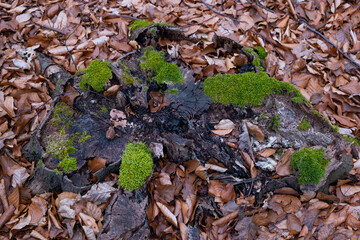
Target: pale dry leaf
[349,190]
[247,22]
[89,233]
[90,222]
[225,124]
[24,221]
[19,177]
[60,50]
[99,193]
[23,17]
[61,20]
[21,64]
[168,214]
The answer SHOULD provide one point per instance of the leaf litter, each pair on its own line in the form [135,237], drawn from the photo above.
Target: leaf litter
[72,38]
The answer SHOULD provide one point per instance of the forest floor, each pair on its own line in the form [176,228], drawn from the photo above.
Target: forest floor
[312,44]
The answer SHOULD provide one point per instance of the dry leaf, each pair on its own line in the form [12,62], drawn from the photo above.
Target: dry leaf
[255,131]
[168,214]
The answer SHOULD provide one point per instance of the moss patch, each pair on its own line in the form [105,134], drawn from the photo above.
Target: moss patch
[136,166]
[61,145]
[311,165]
[261,52]
[96,75]
[164,72]
[353,140]
[144,23]
[276,122]
[246,89]
[304,125]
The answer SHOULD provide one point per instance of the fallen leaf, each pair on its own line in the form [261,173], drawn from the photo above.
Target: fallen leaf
[168,214]
[255,131]
[267,152]
[283,167]
[349,190]
[96,164]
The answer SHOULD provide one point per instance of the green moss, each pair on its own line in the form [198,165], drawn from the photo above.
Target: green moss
[62,115]
[164,72]
[304,125]
[256,59]
[353,140]
[136,166]
[311,165]
[96,75]
[103,110]
[61,145]
[335,128]
[246,89]
[172,91]
[153,31]
[276,122]
[261,52]
[144,23]
[126,75]
[139,24]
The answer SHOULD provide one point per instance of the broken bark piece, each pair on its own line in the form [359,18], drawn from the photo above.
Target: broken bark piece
[126,216]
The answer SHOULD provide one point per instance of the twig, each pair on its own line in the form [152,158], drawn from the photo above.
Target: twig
[257,3]
[330,42]
[117,15]
[221,14]
[51,28]
[3,195]
[5,217]
[292,9]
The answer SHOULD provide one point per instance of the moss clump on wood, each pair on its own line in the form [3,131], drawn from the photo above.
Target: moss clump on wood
[304,125]
[164,72]
[311,165]
[276,122]
[61,145]
[126,75]
[136,166]
[261,52]
[246,89]
[96,75]
[353,140]
[144,23]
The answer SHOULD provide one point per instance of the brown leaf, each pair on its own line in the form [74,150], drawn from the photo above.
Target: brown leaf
[226,219]
[111,91]
[293,224]
[14,197]
[283,167]
[290,204]
[255,131]
[168,214]
[267,152]
[96,164]
[221,132]
[36,213]
[90,222]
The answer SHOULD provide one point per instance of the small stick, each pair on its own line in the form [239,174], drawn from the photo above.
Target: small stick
[5,217]
[117,15]
[51,28]
[330,42]
[292,9]
[3,194]
[221,14]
